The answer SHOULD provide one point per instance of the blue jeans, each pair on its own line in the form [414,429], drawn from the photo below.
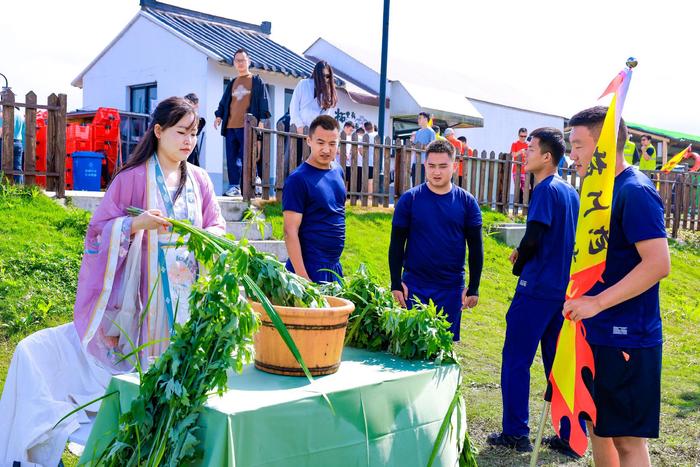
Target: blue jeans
[234,155]
[17,160]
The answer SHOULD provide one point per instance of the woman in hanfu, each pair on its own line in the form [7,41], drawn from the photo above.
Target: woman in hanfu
[133,286]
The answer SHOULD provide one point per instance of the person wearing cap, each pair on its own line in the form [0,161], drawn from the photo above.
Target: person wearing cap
[431,224]
[542,262]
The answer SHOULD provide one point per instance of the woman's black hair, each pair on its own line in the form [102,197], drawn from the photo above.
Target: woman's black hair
[324,90]
[167,114]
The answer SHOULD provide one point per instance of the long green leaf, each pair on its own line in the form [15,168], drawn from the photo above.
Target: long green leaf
[140,348]
[87,404]
[443,428]
[282,329]
[253,289]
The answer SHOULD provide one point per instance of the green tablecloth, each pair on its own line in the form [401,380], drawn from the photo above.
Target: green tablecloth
[388,412]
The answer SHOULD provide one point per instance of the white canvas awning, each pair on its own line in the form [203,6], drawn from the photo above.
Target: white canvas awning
[409,99]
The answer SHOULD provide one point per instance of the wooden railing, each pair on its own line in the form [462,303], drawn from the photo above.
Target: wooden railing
[492,178]
[55,171]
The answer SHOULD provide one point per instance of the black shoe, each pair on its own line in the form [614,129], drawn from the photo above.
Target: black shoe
[559,445]
[519,443]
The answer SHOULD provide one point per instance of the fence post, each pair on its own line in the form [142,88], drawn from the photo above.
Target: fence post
[61,147]
[51,150]
[387,171]
[353,169]
[30,139]
[280,170]
[266,159]
[8,131]
[248,161]
[364,196]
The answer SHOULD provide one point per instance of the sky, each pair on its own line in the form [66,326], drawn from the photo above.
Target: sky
[550,56]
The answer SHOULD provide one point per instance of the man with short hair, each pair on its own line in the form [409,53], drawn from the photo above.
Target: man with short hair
[517,150]
[467,150]
[313,204]
[621,311]
[542,262]
[647,161]
[424,136]
[245,94]
[431,223]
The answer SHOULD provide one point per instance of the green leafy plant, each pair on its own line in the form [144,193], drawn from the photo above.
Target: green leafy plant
[371,301]
[160,426]
[421,333]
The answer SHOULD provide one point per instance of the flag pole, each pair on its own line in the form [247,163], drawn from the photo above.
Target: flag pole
[540,431]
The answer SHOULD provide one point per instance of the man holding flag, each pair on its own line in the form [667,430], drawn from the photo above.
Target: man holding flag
[542,262]
[621,309]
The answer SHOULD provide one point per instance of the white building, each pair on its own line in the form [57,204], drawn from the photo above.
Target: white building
[479,113]
[170,51]
[501,124]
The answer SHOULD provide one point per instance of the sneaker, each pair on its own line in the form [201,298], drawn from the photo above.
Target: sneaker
[519,443]
[559,445]
[233,191]
[258,187]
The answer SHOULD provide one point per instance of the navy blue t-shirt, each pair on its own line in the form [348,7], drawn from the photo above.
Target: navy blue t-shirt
[637,215]
[319,195]
[555,204]
[436,246]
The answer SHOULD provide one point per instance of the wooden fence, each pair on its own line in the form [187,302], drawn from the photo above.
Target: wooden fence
[55,139]
[489,176]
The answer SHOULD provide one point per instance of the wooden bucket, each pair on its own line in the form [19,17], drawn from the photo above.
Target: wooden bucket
[319,334]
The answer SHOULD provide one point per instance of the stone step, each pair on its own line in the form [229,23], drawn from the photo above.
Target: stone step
[509,233]
[251,231]
[276,247]
[232,209]
[88,200]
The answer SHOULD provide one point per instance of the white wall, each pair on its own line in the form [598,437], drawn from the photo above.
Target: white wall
[358,113]
[146,53]
[501,126]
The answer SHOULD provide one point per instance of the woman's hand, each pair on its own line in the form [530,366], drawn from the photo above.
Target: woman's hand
[149,220]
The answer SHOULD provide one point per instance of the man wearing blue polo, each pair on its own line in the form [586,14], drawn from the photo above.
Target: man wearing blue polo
[431,223]
[621,313]
[542,260]
[313,204]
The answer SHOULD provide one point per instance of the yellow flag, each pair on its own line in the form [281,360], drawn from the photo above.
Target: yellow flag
[675,160]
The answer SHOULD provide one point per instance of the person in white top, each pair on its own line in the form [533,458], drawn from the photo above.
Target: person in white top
[313,97]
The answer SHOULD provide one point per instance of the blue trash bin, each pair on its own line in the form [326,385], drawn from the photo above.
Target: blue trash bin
[87,170]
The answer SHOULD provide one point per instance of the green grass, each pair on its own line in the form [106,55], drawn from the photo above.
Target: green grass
[483,331]
[41,246]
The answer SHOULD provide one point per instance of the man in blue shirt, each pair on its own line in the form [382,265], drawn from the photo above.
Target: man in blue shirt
[621,313]
[430,225]
[424,136]
[313,203]
[542,260]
